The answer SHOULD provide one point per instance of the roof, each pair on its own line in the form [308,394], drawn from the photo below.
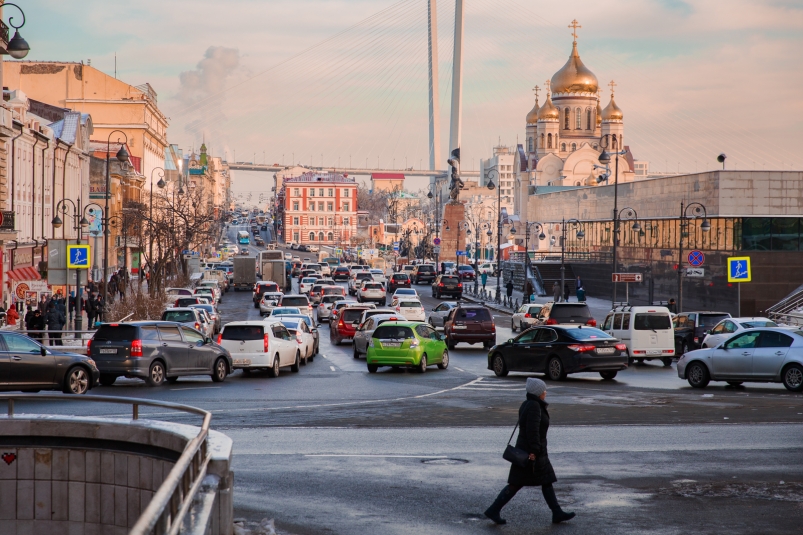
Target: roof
[387,176]
[319,177]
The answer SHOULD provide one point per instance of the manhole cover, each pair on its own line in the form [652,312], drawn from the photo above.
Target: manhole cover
[444,461]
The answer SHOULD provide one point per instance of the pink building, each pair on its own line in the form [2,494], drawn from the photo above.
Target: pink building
[320,209]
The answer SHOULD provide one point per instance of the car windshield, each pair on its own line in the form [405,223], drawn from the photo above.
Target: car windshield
[333,291]
[242,332]
[570,313]
[286,310]
[116,333]
[449,280]
[268,288]
[649,321]
[208,308]
[710,320]
[760,323]
[295,301]
[308,280]
[474,314]
[429,269]
[409,304]
[290,323]
[352,314]
[393,332]
[405,292]
[373,286]
[587,333]
[399,277]
[181,316]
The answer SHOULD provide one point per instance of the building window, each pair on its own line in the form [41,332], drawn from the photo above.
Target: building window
[312,192]
[346,207]
[320,207]
[346,221]
[295,220]
[320,236]
[549,141]
[542,140]
[295,206]
[320,192]
[566,114]
[346,192]
[331,192]
[615,142]
[563,147]
[574,147]
[588,118]
[312,206]
[330,237]
[529,144]
[578,119]
[311,236]
[330,206]
[295,237]
[296,192]
[331,221]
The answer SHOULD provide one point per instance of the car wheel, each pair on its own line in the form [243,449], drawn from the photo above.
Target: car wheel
[372,368]
[793,378]
[555,370]
[684,348]
[512,325]
[172,380]
[422,365]
[499,366]
[444,360]
[356,353]
[220,370]
[667,361]
[156,373]
[273,371]
[76,381]
[607,375]
[697,375]
[296,366]
[107,380]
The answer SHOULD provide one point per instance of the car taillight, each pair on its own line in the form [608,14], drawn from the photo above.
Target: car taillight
[551,321]
[334,312]
[582,348]
[298,337]
[219,339]
[197,326]
[440,284]
[265,343]
[639,352]
[592,322]
[668,351]
[459,284]
[621,347]
[88,346]
[136,348]
[527,315]
[176,303]
[696,340]
[413,344]
[398,309]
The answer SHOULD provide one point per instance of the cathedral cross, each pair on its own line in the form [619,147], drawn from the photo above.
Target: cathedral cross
[548,83]
[536,89]
[574,25]
[612,85]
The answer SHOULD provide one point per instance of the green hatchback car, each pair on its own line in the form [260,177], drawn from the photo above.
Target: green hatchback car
[406,343]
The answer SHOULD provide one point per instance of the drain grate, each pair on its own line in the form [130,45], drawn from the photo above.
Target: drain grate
[444,461]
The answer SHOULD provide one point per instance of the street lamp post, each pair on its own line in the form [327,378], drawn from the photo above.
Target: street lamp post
[697,210]
[579,235]
[161,185]
[17,47]
[122,157]
[491,187]
[78,226]
[541,236]
[605,158]
[624,213]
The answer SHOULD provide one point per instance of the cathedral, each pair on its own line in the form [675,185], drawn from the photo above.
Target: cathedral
[566,135]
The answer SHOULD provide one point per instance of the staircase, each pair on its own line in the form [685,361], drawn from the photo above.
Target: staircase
[550,274]
[788,310]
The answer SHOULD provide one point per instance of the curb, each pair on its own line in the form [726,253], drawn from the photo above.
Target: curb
[492,306]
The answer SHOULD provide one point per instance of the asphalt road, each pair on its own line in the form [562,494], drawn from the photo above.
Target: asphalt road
[333,449]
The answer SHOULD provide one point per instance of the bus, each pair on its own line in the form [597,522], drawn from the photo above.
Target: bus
[242,237]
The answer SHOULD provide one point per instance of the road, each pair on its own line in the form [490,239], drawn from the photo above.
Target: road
[333,449]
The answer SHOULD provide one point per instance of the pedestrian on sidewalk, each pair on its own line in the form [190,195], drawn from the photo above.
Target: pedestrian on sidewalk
[91,310]
[533,427]
[566,291]
[55,323]
[484,277]
[556,291]
[509,288]
[529,291]
[672,306]
[37,323]
[579,290]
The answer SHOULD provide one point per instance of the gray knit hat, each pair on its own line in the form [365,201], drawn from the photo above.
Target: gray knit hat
[536,387]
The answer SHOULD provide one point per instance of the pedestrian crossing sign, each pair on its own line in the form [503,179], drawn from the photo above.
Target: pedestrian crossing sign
[739,269]
[77,256]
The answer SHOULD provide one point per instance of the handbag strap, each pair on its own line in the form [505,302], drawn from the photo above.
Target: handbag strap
[513,433]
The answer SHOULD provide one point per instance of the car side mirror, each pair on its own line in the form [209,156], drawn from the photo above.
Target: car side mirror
[509,340]
[207,340]
[43,351]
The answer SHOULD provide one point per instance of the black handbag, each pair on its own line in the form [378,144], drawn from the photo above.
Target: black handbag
[515,455]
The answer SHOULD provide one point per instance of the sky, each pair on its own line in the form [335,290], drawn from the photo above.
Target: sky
[337,81]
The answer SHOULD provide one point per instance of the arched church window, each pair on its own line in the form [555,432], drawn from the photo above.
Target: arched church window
[549,141]
[588,118]
[574,147]
[615,144]
[566,114]
[530,144]
[542,141]
[563,147]
[578,119]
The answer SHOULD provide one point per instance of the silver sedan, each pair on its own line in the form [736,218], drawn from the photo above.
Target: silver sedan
[440,312]
[754,355]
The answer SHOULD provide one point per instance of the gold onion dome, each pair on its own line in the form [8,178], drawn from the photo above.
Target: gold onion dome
[532,117]
[548,110]
[612,112]
[574,77]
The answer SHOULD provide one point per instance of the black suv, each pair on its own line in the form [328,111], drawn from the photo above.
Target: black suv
[156,351]
[690,329]
[341,273]
[398,280]
[565,314]
[423,273]
[447,285]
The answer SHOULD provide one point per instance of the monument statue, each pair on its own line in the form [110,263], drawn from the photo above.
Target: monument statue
[456,184]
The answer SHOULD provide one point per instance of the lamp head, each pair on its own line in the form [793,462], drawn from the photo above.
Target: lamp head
[161,183]
[122,154]
[513,229]
[57,222]
[542,236]
[491,185]
[636,226]
[706,226]
[429,195]
[581,234]
[18,47]
[604,157]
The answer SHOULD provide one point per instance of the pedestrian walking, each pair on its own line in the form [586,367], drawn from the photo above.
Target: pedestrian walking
[55,322]
[509,288]
[91,310]
[566,291]
[484,277]
[672,306]
[529,291]
[37,323]
[579,290]
[556,291]
[533,426]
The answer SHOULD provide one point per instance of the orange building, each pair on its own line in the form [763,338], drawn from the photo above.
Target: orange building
[320,209]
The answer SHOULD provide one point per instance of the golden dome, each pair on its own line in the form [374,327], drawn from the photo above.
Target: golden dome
[612,112]
[574,77]
[548,110]
[532,117]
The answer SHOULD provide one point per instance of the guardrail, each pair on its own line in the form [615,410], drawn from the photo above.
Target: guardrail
[166,510]
[786,318]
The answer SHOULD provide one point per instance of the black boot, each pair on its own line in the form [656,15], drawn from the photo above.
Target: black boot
[493,511]
[558,515]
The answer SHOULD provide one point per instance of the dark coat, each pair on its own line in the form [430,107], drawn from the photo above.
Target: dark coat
[54,319]
[533,427]
[37,323]
[509,288]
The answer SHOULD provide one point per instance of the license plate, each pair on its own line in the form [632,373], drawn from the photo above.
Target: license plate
[391,344]
[653,351]
[605,350]
[108,351]
[242,362]
[460,327]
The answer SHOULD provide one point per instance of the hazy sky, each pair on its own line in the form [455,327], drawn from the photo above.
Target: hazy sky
[695,77]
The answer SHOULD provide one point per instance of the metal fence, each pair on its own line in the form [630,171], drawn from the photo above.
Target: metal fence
[170,504]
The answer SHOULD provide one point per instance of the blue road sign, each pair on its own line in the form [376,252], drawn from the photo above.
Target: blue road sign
[460,253]
[77,256]
[739,269]
[696,258]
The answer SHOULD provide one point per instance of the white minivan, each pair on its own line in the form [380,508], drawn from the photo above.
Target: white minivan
[646,331]
[260,344]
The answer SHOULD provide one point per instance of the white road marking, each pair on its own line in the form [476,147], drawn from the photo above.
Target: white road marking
[333,368]
[196,388]
[459,369]
[376,456]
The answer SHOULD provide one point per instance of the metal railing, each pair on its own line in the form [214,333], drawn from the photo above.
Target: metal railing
[166,510]
[789,303]
[786,318]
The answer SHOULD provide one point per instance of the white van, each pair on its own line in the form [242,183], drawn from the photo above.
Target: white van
[646,331]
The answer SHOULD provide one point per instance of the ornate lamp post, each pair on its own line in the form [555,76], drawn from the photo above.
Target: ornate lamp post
[624,213]
[17,47]
[574,223]
[491,187]
[122,157]
[79,226]
[161,185]
[541,237]
[697,210]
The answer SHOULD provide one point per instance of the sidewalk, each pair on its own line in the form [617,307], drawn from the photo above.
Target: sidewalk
[599,307]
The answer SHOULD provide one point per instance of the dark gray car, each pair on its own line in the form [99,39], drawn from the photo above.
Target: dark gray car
[366,330]
[156,351]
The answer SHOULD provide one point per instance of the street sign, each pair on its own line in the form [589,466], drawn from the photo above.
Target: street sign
[77,256]
[695,272]
[436,241]
[395,246]
[627,277]
[696,258]
[436,249]
[739,269]
[460,253]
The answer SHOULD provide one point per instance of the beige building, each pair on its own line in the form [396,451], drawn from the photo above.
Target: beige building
[387,182]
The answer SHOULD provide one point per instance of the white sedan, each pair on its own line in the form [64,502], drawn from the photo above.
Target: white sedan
[304,337]
[268,302]
[379,276]
[730,326]
[288,256]
[411,309]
